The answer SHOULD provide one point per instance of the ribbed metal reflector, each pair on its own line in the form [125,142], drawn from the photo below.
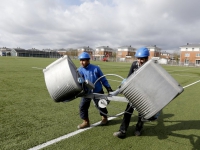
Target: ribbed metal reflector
[61,80]
[150,89]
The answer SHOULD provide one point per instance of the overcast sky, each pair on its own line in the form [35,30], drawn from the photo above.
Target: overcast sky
[52,24]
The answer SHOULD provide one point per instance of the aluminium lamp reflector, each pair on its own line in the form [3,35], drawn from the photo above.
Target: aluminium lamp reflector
[61,78]
[150,88]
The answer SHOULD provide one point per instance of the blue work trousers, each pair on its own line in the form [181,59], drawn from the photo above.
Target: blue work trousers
[85,104]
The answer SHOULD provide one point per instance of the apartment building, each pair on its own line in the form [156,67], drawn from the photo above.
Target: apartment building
[154,51]
[87,49]
[125,52]
[103,53]
[190,54]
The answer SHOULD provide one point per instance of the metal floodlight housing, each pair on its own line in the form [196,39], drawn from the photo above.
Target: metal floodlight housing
[150,89]
[61,78]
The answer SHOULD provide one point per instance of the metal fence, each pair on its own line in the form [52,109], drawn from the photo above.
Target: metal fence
[110,59]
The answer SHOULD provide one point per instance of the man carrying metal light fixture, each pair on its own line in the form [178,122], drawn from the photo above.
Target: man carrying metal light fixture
[142,55]
[91,73]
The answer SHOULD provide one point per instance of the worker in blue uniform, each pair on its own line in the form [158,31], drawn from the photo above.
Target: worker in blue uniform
[91,73]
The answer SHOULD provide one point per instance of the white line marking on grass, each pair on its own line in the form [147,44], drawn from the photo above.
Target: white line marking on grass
[178,70]
[37,68]
[191,84]
[186,75]
[69,135]
[114,80]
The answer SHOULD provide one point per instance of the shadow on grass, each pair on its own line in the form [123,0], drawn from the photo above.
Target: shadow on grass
[178,125]
[162,131]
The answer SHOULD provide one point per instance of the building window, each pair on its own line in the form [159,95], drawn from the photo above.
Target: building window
[198,62]
[119,53]
[187,54]
[198,55]
[186,62]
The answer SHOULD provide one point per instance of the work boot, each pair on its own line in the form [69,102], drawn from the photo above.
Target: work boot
[104,120]
[119,134]
[137,133]
[85,124]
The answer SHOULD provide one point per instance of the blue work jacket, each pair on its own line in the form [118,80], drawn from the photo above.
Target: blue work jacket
[92,73]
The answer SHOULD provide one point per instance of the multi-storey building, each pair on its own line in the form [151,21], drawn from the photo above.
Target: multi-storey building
[62,51]
[125,52]
[190,54]
[154,51]
[87,49]
[165,55]
[103,53]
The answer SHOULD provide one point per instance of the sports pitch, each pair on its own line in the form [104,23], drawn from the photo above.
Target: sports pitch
[29,117]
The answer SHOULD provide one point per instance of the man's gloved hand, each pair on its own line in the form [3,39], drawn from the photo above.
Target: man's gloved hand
[109,89]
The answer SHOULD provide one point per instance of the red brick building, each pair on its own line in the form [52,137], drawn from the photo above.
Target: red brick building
[165,55]
[125,52]
[62,51]
[154,51]
[103,53]
[87,49]
[190,54]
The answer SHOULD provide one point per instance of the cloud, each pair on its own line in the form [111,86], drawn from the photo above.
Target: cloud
[64,24]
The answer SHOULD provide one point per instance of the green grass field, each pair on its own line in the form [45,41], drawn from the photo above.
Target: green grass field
[29,117]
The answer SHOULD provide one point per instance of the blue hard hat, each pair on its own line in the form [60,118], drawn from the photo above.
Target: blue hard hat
[142,52]
[84,55]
